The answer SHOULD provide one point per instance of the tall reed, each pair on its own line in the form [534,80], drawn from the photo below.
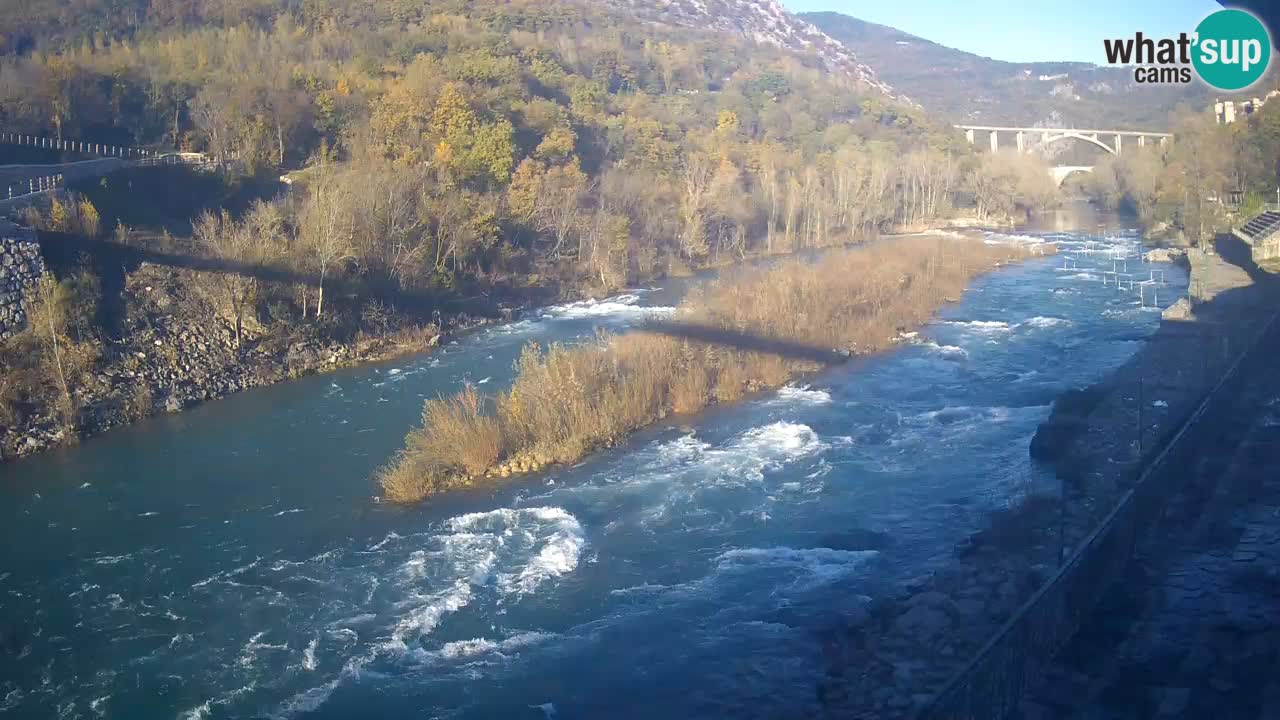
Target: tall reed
[567,401]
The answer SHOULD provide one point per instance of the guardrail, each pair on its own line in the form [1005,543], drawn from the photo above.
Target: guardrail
[80,146]
[33,186]
[36,184]
[990,686]
[193,159]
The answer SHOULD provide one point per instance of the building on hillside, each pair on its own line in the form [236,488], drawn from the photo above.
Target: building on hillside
[1226,111]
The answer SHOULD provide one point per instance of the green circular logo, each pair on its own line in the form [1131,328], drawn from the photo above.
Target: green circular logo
[1232,49]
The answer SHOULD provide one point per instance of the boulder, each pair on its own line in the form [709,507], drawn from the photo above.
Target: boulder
[1180,310]
[1068,418]
[928,617]
[1165,255]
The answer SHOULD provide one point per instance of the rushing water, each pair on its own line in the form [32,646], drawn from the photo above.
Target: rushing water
[234,562]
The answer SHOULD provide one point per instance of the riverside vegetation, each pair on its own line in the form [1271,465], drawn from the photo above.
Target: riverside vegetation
[439,155]
[567,401]
[1210,178]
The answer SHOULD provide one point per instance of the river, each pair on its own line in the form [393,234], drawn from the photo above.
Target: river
[233,561]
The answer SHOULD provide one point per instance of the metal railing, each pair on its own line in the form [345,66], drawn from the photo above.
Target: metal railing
[191,159]
[33,186]
[991,685]
[80,146]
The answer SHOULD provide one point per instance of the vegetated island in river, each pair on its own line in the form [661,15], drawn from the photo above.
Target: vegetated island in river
[568,401]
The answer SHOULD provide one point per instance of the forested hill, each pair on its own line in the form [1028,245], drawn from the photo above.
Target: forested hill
[594,142]
[966,87]
[443,155]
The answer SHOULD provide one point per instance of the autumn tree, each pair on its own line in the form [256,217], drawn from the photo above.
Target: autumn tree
[1197,166]
[698,173]
[63,359]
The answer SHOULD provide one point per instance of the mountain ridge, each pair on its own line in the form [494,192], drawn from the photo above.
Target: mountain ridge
[966,87]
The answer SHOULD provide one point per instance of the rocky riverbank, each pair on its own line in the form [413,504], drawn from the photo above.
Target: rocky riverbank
[174,353]
[1190,629]
[890,662]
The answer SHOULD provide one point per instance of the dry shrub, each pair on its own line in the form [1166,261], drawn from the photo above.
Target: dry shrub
[138,402]
[73,214]
[766,370]
[731,380]
[456,440]
[408,478]
[691,390]
[567,401]
[9,397]
[458,428]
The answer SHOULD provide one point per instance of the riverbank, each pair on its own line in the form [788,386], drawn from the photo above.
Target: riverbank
[174,353]
[571,401]
[1094,441]
[726,543]
[1189,628]
[171,357]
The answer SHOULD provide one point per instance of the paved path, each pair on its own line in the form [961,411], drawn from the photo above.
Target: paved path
[19,174]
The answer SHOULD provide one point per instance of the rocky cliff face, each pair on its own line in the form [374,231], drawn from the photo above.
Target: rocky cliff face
[764,21]
[20,267]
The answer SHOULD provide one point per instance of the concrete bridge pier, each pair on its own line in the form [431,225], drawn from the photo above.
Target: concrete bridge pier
[1050,135]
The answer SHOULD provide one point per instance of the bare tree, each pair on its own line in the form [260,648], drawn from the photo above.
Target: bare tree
[48,319]
[325,227]
[244,246]
[699,170]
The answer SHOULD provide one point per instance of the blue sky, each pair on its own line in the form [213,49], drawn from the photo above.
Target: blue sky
[1024,30]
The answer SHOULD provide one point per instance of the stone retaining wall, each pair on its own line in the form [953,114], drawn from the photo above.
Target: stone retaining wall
[20,267]
[1268,249]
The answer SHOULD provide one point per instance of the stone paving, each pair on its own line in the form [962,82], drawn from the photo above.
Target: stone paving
[1194,630]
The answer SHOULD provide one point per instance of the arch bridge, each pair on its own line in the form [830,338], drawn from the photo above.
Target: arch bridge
[1024,138]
